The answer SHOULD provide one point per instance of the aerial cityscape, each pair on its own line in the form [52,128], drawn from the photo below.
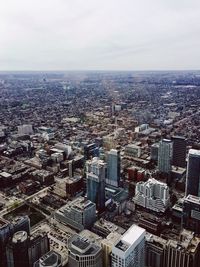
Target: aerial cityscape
[100,133]
[100,169]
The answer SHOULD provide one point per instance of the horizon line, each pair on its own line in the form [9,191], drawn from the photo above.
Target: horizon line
[104,70]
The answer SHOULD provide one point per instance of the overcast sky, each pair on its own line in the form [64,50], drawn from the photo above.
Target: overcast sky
[99,34]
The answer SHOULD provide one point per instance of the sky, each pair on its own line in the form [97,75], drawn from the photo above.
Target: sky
[99,34]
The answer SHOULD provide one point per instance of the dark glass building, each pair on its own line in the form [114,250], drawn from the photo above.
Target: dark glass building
[193,173]
[96,175]
[179,151]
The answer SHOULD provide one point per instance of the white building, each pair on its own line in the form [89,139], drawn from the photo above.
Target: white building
[25,129]
[153,195]
[130,249]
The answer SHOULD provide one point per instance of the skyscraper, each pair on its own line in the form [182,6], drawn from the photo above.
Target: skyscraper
[50,259]
[96,174]
[17,251]
[130,249]
[164,156]
[5,234]
[84,253]
[191,213]
[113,167]
[193,173]
[179,151]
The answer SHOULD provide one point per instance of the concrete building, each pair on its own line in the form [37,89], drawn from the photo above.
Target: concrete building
[132,150]
[74,186]
[78,214]
[104,228]
[154,152]
[24,250]
[17,250]
[25,129]
[113,168]
[130,249]
[84,253]
[179,151]
[183,250]
[153,195]
[193,173]
[164,156]
[107,245]
[96,176]
[50,259]
[191,213]
[155,251]
[5,234]
[90,151]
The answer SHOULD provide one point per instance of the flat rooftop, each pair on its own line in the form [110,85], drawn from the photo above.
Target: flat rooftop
[193,199]
[132,234]
[194,152]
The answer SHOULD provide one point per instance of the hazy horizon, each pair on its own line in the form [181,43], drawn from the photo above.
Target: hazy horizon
[100,35]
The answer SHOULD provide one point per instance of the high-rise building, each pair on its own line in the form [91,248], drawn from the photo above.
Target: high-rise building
[24,250]
[179,151]
[107,245]
[78,214]
[153,195]
[96,175]
[164,156]
[191,213]
[155,251]
[113,168]
[7,229]
[38,246]
[17,250]
[82,252]
[130,249]
[154,152]
[91,151]
[21,223]
[193,173]
[5,234]
[50,259]
[182,250]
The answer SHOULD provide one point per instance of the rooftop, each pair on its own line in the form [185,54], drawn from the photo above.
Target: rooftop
[20,236]
[194,152]
[132,234]
[52,258]
[193,199]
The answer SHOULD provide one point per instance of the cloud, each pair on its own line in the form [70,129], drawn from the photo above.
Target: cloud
[99,34]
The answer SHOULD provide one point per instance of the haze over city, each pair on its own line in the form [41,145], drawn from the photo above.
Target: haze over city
[99,35]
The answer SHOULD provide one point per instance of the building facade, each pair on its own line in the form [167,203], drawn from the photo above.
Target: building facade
[164,156]
[83,253]
[78,214]
[179,151]
[113,168]
[191,213]
[96,172]
[193,173]
[130,249]
[153,195]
